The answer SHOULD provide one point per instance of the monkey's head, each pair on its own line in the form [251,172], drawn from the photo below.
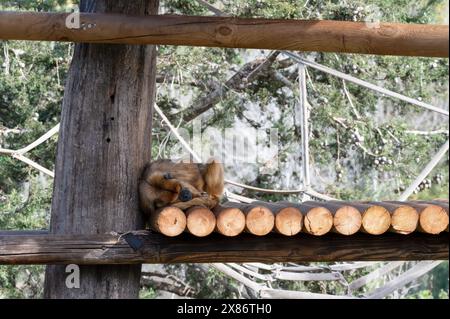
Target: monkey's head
[184,193]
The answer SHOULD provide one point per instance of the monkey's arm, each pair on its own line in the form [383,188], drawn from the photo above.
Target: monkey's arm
[198,201]
[162,181]
[214,179]
[146,201]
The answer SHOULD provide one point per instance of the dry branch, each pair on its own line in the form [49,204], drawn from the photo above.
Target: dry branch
[248,72]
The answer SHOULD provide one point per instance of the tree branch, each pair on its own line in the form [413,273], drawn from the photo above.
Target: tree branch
[247,74]
[168,284]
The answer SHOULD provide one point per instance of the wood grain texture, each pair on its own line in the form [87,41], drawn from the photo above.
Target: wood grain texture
[317,220]
[346,219]
[288,220]
[259,220]
[104,142]
[230,221]
[404,218]
[106,249]
[170,221]
[299,35]
[376,220]
[433,218]
[200,221]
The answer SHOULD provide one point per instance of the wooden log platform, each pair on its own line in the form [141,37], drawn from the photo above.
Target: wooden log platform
[312,217]
[318,220]
[39,248]
[173,240]
[229,32]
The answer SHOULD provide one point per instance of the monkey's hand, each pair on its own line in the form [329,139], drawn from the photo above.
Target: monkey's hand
[204,201]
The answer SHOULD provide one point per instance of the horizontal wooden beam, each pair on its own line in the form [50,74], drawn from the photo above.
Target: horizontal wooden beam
[301,35]
[155,248]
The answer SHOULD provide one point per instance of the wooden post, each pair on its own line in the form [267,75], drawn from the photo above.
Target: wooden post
[296,35]
[104,142]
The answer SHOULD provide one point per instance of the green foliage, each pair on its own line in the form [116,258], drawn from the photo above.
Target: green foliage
[37,5]
[27,208]
[21,281]
[427,294]
[147,293]
[32,76]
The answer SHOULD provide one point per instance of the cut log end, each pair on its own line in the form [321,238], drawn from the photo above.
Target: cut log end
[318,221]
[230,221]
[200,221]
[288,221]
[169,221]
[259,221]
[405,220]
[376,220]
[347,220]
[433,220]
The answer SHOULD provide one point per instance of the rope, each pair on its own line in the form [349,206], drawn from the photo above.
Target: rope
[18,154]
[304,123]
[424,173]
[365,84]
[40,140]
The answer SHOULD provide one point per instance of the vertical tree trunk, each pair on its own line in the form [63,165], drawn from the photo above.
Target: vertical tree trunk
[104,141]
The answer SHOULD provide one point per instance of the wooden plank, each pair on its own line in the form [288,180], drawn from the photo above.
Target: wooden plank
[300,35]
[156,248]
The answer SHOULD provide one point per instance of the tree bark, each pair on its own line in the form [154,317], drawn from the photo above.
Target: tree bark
[104,142]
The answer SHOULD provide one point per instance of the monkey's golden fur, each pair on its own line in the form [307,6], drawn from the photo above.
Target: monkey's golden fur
[163,180]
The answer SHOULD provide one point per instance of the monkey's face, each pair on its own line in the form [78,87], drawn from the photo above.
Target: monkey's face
[184,193]
[187,192]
